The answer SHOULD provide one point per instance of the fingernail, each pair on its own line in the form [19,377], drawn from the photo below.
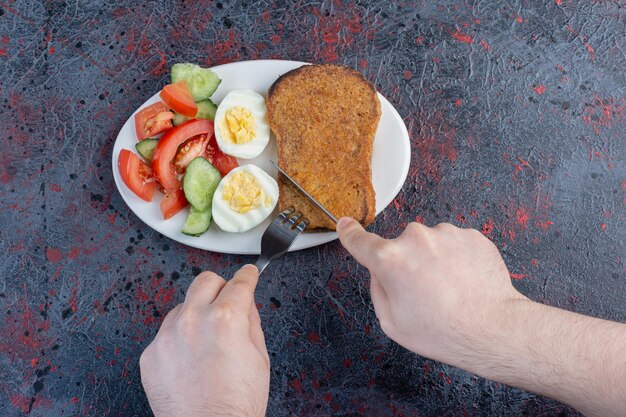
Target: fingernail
[250,266]
[343,223]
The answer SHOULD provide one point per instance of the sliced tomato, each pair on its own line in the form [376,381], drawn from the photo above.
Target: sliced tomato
[172,203]
[166,149]
[153,120]
[192,148]
[178,97]
[137,175]
[222,162]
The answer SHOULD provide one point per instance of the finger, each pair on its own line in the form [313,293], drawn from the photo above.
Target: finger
[361,244]
[238,293]
[256,332]
[204,290]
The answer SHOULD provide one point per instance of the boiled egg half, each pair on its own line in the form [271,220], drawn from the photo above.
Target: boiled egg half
[244,198]
[241,128]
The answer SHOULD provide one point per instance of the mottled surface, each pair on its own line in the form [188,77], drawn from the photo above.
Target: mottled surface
[516,116]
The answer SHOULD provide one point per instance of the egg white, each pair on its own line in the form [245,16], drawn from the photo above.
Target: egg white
[231,221]
[254,102]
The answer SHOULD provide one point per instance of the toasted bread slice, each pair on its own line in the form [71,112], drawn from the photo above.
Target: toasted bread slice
[325,118]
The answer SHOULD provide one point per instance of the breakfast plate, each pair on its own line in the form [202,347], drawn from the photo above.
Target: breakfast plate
[390,164]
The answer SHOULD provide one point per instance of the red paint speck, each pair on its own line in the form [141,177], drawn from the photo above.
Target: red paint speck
[534,262]
[518,276]
[313,337]
[74,399]
[462,37]
[363,64]
[485,45]
[51,50]
[55,188]
[419,40]
[297,385]
[328,397]
[458,102]
[408,75]
[539,89]
[3,52]
[275,39]
[54,255]
[603,226]
[347,363]
[487,227]
[521,217]
[5,40]
[558,2]
[519,19]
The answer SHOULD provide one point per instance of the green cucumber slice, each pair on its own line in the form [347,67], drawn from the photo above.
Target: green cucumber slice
[202,82]
[200,182]
[146,148]
[197,222]
[206,110]
[179,119]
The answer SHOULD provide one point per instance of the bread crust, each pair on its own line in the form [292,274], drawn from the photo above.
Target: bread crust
[325,118]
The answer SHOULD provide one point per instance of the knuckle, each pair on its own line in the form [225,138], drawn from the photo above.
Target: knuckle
[446,227]
[387,252]
[187,321]
[207,276]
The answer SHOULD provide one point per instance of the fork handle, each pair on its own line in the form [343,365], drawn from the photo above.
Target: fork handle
[262,263]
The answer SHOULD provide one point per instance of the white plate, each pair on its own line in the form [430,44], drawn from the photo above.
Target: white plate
[390,164]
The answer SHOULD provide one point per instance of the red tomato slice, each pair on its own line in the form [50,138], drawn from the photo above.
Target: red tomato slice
[179,99]
[172,203]
[167,148]
[137,175]
[222,162]
[153,120]
[194,147]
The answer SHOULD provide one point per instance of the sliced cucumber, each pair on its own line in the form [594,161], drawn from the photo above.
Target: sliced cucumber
[200,182]
[197,222]
[202,82]
[146,148]
[206,110]
[179,119]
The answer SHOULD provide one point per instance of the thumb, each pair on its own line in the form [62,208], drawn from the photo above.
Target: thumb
[360,243]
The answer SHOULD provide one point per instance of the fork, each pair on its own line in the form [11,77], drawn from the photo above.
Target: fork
[279,236]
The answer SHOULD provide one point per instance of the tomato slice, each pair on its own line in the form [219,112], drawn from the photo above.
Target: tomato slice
[178,97]
[172,203]
[153,120]
[222,162]
[137,175]
[167,148]
[192,148]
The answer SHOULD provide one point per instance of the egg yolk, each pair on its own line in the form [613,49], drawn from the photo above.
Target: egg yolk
[243,193]
[237,125]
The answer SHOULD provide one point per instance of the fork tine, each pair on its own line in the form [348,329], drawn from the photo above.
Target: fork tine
[280,235]
[293,219]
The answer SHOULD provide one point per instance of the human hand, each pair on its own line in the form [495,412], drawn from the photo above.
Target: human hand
[440,292]
[209,356]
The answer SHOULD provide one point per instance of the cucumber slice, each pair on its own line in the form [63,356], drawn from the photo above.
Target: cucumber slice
[202,82]
[206,110]
[197,222]
[200,182]
[179,119]
[146,148]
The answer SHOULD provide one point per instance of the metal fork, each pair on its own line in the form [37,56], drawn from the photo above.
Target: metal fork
[279,236]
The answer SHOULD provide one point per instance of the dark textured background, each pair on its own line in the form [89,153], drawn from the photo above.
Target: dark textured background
[516,115]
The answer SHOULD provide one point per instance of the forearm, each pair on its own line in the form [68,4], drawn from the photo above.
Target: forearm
[576,359]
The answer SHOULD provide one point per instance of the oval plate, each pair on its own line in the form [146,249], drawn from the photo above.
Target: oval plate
[390,164]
